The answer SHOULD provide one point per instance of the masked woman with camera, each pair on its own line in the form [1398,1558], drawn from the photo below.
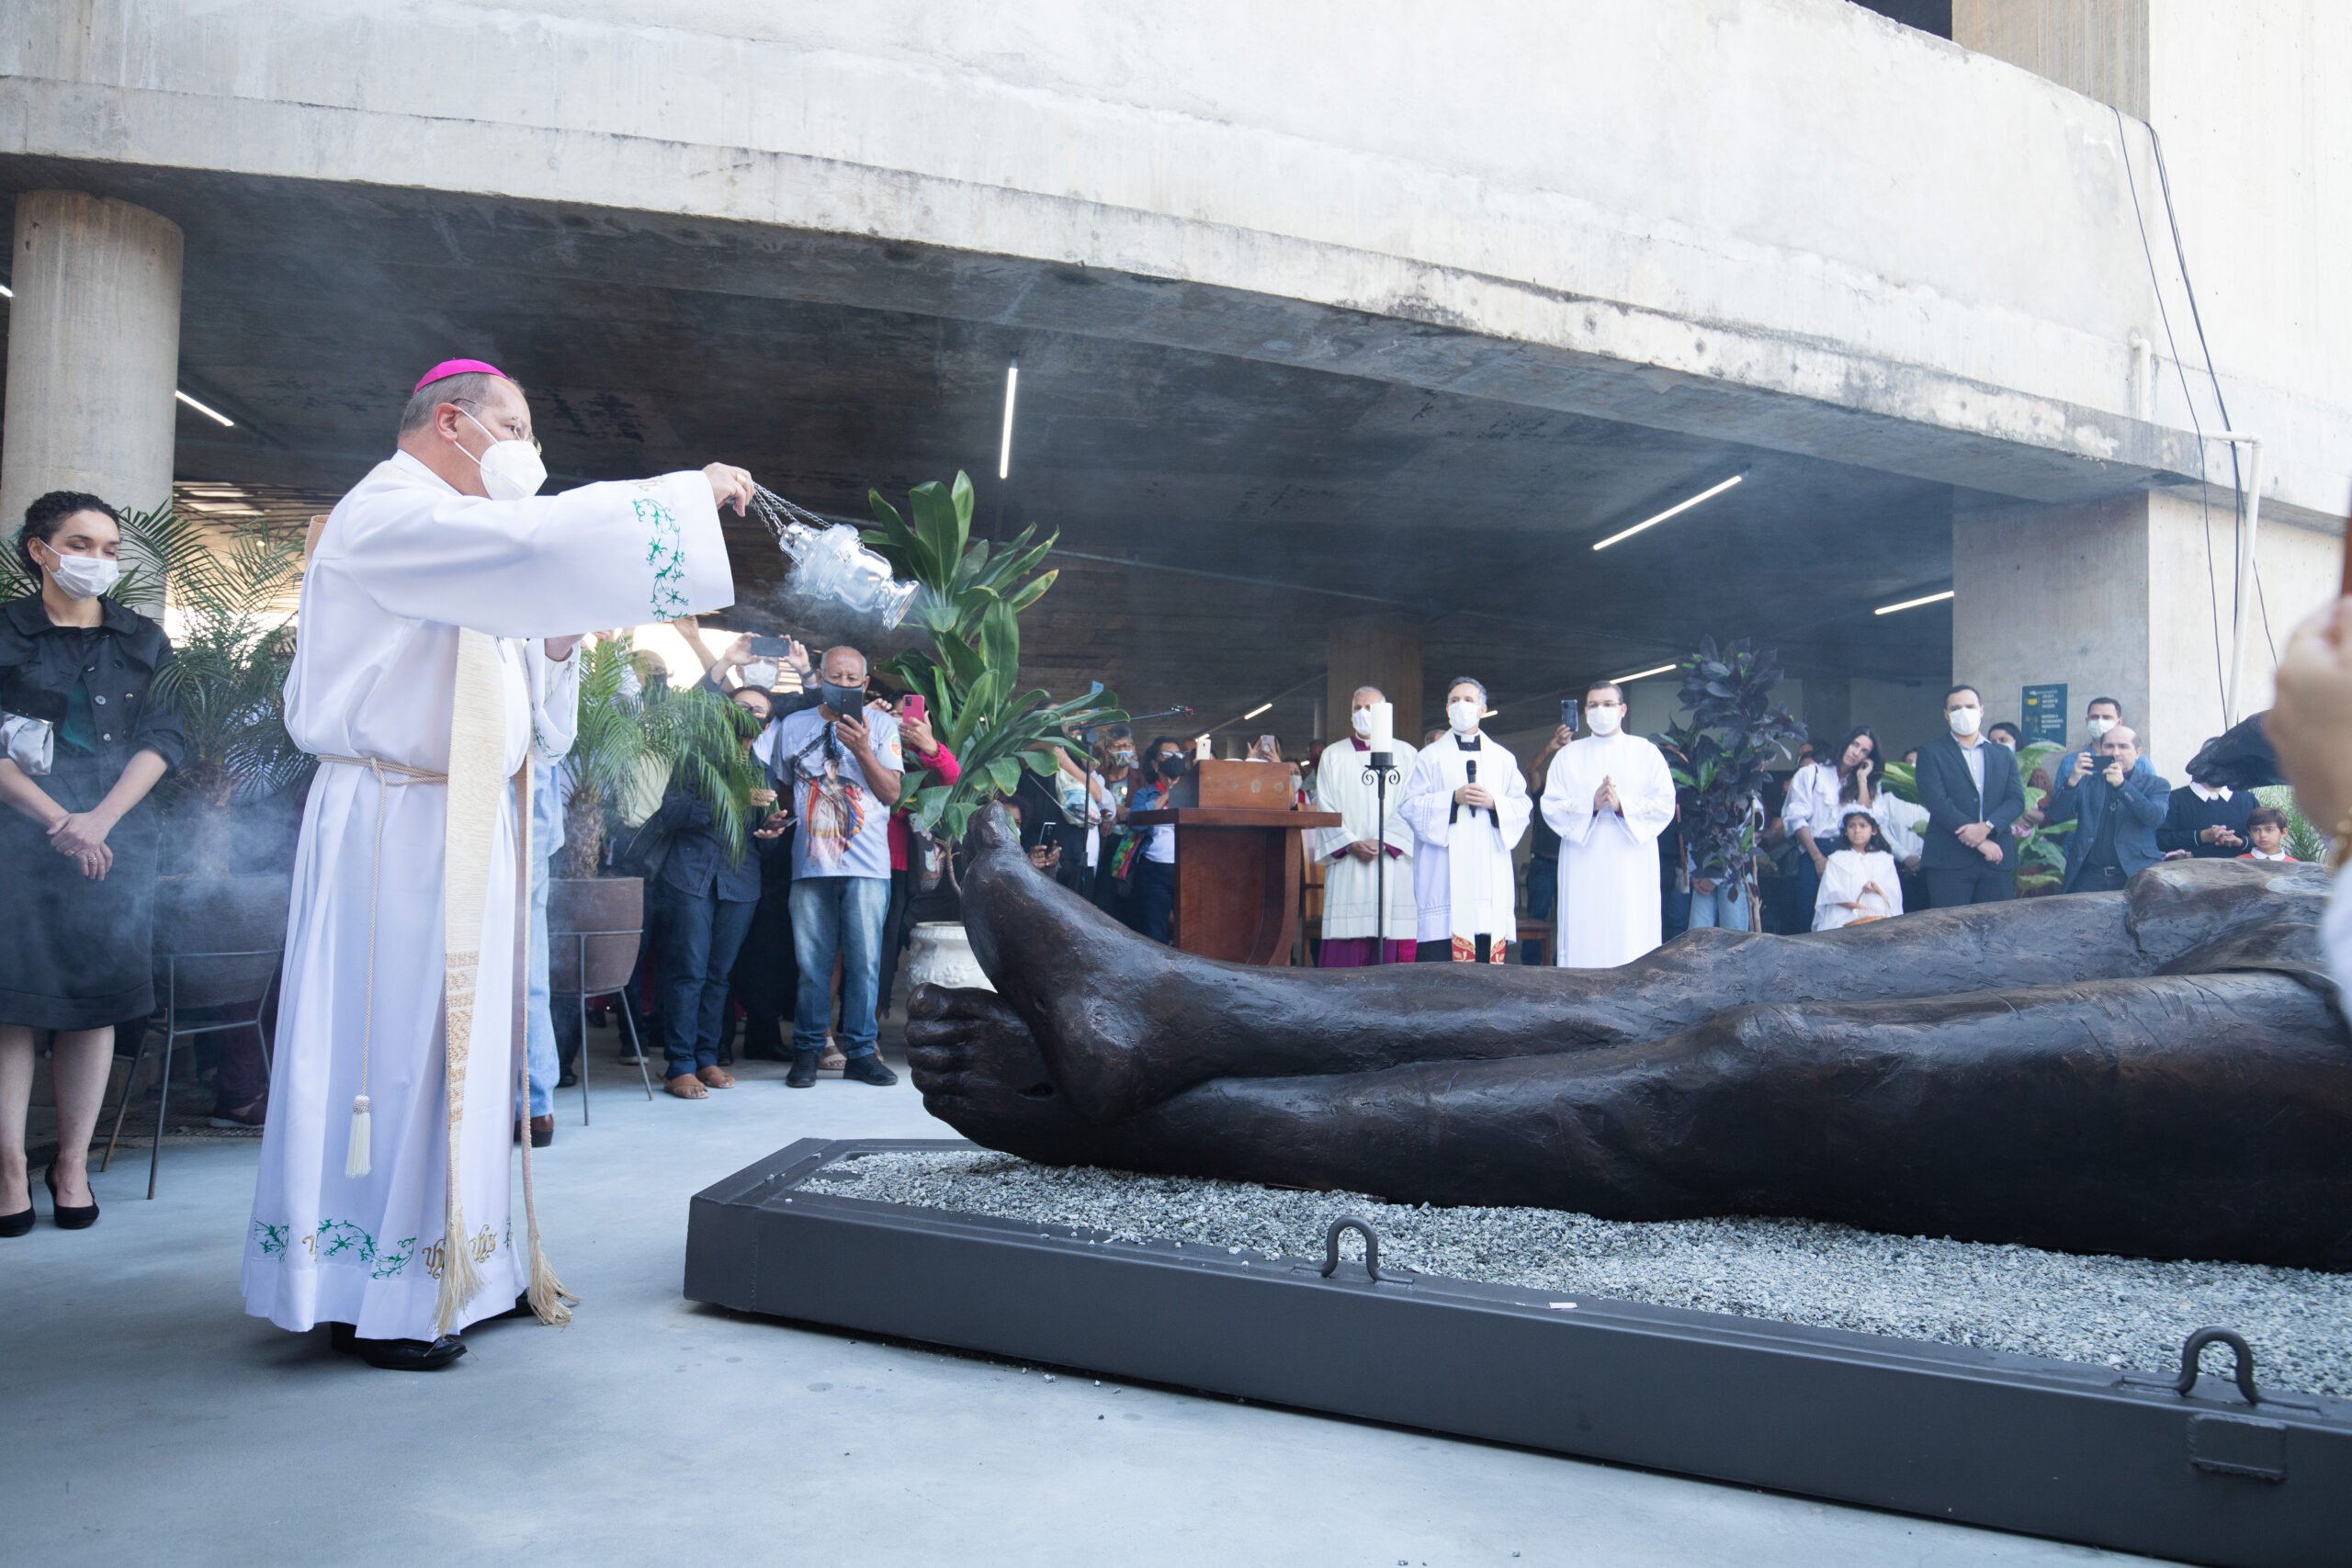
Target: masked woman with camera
[87,738]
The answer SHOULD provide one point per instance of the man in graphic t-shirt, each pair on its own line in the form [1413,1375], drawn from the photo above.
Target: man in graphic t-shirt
[837,767]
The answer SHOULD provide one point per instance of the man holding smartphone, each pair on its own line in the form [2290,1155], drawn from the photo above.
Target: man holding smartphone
[839,766]
[2119,802]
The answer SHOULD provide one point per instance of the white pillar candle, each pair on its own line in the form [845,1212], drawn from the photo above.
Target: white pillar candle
[1383,727]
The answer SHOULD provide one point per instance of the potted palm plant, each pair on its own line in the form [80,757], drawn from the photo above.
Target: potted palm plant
[636,740]
[968,612]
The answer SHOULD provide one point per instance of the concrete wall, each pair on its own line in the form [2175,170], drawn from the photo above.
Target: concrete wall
[2118,599]
[1754,216]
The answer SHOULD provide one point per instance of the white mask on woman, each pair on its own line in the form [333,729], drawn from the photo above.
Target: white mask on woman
[82,577]
[1463,715]
[511,469]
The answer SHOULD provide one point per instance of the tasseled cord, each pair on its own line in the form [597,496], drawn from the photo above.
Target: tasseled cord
[355,1162]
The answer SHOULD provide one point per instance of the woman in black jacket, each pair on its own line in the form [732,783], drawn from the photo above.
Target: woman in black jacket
[77,850]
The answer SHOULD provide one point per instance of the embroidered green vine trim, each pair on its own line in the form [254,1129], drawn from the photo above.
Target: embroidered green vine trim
[665,552]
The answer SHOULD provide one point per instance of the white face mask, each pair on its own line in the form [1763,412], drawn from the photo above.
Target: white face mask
[1604,719]
[1362,719]
[1463,715]
[511,469]
[2098,727]
[1963,720]
[82,577]
[760,673]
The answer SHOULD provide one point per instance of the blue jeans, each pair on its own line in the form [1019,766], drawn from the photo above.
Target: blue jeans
[838,915]
[539,1028]
[1155,898]
[1726,907]
[700,934]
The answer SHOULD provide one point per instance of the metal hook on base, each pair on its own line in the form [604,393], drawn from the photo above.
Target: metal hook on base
[2193,1348]
[1371,1245]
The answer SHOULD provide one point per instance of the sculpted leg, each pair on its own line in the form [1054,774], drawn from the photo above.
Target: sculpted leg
[1124,1023]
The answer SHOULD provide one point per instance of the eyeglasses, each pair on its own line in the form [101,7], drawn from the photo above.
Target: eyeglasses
[515,429]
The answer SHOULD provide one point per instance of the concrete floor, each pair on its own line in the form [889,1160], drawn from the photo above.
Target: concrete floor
[152,1422]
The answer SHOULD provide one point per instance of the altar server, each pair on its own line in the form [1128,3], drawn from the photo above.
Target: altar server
[1467,808]
[1608,797]
[1351,852]
[438,613]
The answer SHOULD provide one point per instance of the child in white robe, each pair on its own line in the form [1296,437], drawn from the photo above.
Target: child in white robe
[1860,882]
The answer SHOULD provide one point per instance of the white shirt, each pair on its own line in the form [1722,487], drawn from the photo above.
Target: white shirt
[2201,792]
[1975,755]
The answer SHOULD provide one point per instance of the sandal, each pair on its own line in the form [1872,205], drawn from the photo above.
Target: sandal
[717,1077]
[686,1086]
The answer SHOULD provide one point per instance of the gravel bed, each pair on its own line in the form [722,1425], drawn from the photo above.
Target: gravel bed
[2120,1312]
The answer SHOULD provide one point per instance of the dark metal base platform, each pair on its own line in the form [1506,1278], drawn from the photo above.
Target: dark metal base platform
[2048,1447]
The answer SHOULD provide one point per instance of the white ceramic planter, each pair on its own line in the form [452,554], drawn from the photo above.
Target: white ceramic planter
[939,953]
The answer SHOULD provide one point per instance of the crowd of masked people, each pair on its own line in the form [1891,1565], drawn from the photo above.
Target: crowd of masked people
[1839,847]
[785,945]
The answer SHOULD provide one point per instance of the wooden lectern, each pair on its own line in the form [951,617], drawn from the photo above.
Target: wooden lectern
[1238,867]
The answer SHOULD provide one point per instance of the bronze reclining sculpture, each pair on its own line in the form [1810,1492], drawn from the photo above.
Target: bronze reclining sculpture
[2161,1072]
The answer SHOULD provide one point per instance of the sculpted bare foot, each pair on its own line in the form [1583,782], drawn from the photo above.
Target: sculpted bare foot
[979,1070]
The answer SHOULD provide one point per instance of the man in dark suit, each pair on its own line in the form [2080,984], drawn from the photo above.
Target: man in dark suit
[2116,806]
[1972,794]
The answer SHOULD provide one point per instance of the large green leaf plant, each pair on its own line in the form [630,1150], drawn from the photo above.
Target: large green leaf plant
[969,609]
[1734,733]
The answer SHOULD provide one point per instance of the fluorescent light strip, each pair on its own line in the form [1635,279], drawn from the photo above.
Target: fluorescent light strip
[1254,713]
[1913,603]
[6,292]
[1005,451]
[210,413]
[1669,511]
[1642,674]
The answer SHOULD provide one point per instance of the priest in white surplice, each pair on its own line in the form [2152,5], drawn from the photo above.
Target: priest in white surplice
[1608,797]
[1468,809]
[439,612]
[1352,852]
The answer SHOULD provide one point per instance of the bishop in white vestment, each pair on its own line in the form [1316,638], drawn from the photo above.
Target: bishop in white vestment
[1608,797]
[1352,929]
[416,678]
[1463,884]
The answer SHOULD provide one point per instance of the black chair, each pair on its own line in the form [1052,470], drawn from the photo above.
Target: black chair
[594,924]
[193,981]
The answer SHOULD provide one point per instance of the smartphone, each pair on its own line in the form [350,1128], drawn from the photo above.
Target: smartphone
[914,705]
[1265,743]
[771,647]
[1569,713]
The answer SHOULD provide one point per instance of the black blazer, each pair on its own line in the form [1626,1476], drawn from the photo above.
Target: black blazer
[1949,795]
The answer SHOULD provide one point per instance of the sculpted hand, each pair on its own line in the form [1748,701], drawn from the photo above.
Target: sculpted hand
[730,486]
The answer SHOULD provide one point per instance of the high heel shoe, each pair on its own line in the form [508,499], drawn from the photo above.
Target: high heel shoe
[68,1219]
[16,1224]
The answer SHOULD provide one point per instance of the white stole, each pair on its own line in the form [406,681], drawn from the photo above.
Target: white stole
[1482,896]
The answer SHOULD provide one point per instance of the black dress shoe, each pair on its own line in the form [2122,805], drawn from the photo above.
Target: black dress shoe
[68,1218]
[567,1079]
[17,1223]
[542,1131]
[804,1069]
[398,1355]
[868,1068]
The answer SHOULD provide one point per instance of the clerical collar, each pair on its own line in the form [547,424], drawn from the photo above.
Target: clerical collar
[1469,743]
[2201,792]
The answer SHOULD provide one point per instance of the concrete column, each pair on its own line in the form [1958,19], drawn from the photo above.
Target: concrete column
[2127,598]
[2098,47]
[1828,707]
[1380,652]
[93,348]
